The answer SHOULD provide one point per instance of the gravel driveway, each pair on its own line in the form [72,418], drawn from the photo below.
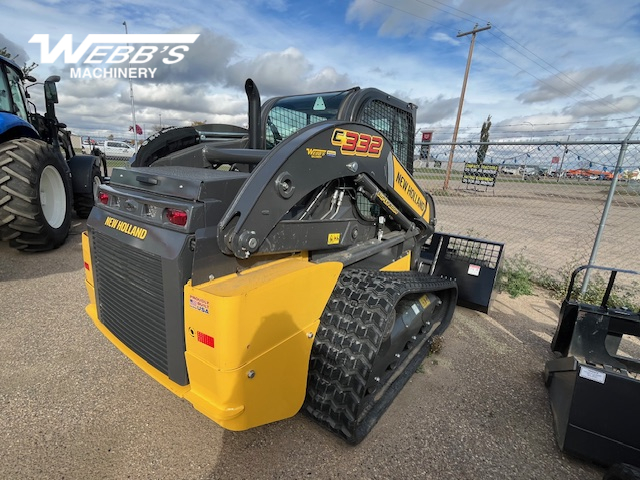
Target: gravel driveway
[74,407]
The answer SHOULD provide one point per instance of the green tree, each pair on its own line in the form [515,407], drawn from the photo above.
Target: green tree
[484,137]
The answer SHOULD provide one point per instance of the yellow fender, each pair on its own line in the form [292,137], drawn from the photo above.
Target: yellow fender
[248,340]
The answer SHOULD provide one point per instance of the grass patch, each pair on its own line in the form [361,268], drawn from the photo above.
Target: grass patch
[622,296]
[516,276]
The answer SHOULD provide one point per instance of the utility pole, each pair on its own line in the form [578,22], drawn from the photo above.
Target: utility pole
[464,87]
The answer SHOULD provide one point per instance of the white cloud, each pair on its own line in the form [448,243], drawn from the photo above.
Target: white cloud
[606,106]
[405,47]
[443,37]
[285,73]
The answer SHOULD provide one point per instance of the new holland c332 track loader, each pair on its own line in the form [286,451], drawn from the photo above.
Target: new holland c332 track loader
[256,272]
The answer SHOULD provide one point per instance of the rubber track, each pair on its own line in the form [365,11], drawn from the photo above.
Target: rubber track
[622,471]
[165,142]
[22,222]
[359,315]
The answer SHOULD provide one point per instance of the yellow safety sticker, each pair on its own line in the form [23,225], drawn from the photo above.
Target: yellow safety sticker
[424,301]
[333,239]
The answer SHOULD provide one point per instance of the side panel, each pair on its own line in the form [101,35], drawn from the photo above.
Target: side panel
[403,264]
[249,337]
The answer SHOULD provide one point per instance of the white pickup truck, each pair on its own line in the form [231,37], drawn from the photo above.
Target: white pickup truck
[114,150]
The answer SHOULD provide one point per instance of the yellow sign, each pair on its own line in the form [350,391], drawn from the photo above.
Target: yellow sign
[424,301]
[125,227]
[334,239]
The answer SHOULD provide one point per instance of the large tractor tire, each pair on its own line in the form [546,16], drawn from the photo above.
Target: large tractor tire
[35,195]
[84,202]
[374,333]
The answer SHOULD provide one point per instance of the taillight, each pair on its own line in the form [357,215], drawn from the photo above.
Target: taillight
[175,216]
[103,198]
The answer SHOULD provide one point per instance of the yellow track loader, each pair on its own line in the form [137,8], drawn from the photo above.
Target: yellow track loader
[257,272]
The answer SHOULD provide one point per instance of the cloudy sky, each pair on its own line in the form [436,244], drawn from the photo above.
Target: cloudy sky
[545,69]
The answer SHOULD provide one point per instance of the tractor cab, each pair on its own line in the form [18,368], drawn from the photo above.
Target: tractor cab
[13,98]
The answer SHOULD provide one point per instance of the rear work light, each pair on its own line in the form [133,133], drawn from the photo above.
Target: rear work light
[175,216]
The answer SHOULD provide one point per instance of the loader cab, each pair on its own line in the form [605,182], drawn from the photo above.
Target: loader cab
[283,116]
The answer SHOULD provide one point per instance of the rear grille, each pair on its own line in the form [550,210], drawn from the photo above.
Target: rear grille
[130,297]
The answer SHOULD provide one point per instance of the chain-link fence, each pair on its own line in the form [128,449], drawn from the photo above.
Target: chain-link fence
[544,201]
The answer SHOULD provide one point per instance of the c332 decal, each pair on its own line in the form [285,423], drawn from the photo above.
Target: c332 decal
[356,143]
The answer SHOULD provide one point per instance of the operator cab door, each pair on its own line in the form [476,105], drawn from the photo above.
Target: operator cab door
[12,95]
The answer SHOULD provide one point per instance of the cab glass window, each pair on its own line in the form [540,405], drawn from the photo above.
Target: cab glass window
[5,99]
[290,114]
[17,94]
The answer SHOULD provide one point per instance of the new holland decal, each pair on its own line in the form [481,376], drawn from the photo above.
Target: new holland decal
[356,143]
[125,227]
[404,185]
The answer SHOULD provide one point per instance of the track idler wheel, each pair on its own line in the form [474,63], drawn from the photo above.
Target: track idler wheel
[374,333]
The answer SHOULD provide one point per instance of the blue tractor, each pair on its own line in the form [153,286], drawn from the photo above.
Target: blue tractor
[41,178]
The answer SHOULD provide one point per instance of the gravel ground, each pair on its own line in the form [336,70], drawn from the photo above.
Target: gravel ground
[74,407]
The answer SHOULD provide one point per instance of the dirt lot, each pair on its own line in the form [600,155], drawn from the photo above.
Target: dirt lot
[552,224]
[74,407]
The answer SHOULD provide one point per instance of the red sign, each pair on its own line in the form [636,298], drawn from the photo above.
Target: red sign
[555,159]
[426,136]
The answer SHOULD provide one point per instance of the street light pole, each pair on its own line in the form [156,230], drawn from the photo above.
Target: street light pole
[464,87]
[133,107]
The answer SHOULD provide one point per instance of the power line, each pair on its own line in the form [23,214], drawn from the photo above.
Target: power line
[558,74]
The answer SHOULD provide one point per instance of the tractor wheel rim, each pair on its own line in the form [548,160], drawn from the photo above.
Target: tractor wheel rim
[53,197]
[95,188]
